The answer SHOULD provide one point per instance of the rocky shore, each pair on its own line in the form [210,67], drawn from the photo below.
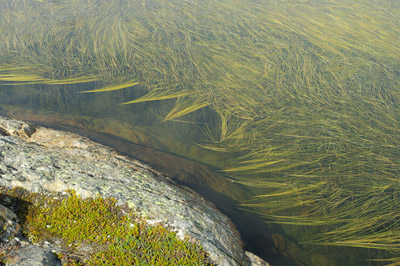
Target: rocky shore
[42,160]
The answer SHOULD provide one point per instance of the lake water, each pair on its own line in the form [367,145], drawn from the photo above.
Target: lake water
[157,144]
[286,115]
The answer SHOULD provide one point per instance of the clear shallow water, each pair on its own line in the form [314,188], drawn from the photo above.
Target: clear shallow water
[157,144]
[298,100]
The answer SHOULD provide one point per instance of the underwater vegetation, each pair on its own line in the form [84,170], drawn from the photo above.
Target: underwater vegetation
[307,92]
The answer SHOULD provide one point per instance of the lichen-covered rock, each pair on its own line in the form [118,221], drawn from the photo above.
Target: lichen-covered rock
[31,255]
[41,159]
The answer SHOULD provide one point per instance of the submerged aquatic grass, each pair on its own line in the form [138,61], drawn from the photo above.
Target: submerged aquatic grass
[307,92]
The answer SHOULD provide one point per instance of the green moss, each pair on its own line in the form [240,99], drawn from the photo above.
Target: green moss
[106,233]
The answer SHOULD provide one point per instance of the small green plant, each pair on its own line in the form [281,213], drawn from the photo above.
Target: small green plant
[106,233]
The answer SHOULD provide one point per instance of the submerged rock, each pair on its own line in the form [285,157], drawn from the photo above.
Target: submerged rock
[41,159]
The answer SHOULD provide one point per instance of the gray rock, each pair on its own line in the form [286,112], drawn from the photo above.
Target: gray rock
[8,225]
[4,132]
[16,128]
[27,255]
[31,255]
[253,260]
[6,213]
[54,161]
